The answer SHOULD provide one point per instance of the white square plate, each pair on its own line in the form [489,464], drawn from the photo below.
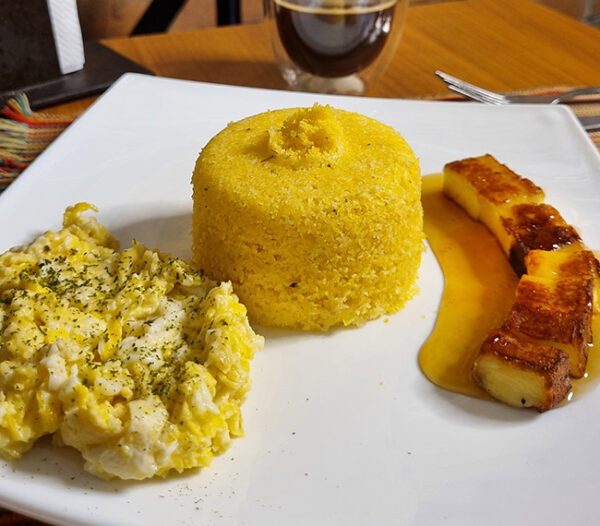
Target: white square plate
[342,428]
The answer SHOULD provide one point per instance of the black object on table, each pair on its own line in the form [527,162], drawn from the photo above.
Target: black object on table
[102,67]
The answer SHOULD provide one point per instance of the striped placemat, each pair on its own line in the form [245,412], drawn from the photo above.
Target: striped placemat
[24,134]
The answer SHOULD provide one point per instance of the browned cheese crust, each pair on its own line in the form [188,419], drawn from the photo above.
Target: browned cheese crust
[494,181]
[546,364]
[536,226]
[559,313]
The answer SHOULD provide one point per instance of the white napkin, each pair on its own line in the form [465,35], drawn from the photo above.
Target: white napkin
[67,34]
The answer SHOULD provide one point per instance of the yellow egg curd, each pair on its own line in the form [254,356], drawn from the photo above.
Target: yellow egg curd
[135,359]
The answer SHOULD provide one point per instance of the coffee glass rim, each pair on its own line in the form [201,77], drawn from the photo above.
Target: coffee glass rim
[332,5]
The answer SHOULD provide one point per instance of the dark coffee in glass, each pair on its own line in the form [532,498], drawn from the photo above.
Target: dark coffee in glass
[333,42]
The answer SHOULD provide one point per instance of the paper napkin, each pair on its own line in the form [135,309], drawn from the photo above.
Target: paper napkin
[67,34]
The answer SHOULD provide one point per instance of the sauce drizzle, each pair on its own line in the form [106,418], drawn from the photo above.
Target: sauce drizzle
[479,289]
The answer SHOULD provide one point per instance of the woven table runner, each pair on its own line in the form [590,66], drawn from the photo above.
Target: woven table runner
[24,134]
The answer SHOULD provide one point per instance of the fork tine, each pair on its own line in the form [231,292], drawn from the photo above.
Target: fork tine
[477,96]
[474,91]
[470,90]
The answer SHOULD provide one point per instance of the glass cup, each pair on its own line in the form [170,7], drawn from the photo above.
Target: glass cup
[334,46]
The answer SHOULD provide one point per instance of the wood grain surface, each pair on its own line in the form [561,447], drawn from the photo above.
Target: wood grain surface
[505,45]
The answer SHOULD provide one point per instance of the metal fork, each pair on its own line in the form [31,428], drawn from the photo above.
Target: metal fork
[490,97]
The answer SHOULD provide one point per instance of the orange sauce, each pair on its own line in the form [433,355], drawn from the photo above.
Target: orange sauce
[592,370]
[479,289]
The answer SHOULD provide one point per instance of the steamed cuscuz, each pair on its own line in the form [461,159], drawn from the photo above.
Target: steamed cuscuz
[314,214]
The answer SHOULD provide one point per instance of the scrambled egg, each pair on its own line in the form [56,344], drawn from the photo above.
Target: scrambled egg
[133,358]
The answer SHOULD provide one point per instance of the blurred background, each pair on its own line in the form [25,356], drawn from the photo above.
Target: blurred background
[114,18]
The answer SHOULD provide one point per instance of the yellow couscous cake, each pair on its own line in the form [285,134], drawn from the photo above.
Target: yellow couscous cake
[314,214]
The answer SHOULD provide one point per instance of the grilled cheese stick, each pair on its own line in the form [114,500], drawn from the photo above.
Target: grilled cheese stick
[569,262]
[536,226]
[555,313]
[545,336]
[509,205]
[522,374]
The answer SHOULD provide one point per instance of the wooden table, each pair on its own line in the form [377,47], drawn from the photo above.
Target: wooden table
[504,45]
